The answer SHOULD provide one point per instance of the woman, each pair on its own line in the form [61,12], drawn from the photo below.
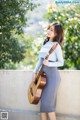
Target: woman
[55,59]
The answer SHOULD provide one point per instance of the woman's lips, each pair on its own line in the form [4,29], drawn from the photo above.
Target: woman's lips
[48,34]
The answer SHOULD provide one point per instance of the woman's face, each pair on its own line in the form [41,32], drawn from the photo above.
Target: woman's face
[50,32]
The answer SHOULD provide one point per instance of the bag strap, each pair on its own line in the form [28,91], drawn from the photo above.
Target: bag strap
[51,50]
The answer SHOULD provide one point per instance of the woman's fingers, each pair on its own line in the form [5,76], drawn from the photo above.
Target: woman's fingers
[34,77]
[45,62]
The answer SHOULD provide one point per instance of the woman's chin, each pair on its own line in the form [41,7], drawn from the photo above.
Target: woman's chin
[48,35]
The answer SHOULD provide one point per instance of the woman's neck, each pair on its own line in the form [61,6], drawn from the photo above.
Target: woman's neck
[51,39]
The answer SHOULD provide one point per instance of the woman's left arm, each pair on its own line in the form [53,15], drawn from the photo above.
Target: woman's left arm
[59,55]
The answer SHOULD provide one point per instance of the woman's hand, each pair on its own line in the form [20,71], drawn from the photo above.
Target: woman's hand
[45,62]
[34,77]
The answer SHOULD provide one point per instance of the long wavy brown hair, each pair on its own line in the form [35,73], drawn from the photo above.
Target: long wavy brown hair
[58,29]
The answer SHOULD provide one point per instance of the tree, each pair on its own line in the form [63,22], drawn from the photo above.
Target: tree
[12,19]
[69,17]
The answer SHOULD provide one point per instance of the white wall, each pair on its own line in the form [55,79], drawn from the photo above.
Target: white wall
[14,85]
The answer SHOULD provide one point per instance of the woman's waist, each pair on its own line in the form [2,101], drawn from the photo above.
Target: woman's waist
[50,60]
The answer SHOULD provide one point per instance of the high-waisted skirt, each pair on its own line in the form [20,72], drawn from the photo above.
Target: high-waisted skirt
[49,94]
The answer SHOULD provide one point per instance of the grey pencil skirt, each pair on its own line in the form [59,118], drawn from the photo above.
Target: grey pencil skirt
[49,94]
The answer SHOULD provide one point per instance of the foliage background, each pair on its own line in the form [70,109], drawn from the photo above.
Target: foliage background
[19,49]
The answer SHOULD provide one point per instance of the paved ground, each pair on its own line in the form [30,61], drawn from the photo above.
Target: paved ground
[22,116]
[29,115]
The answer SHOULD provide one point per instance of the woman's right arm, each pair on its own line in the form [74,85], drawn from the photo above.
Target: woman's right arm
[36,69]
[39,63]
